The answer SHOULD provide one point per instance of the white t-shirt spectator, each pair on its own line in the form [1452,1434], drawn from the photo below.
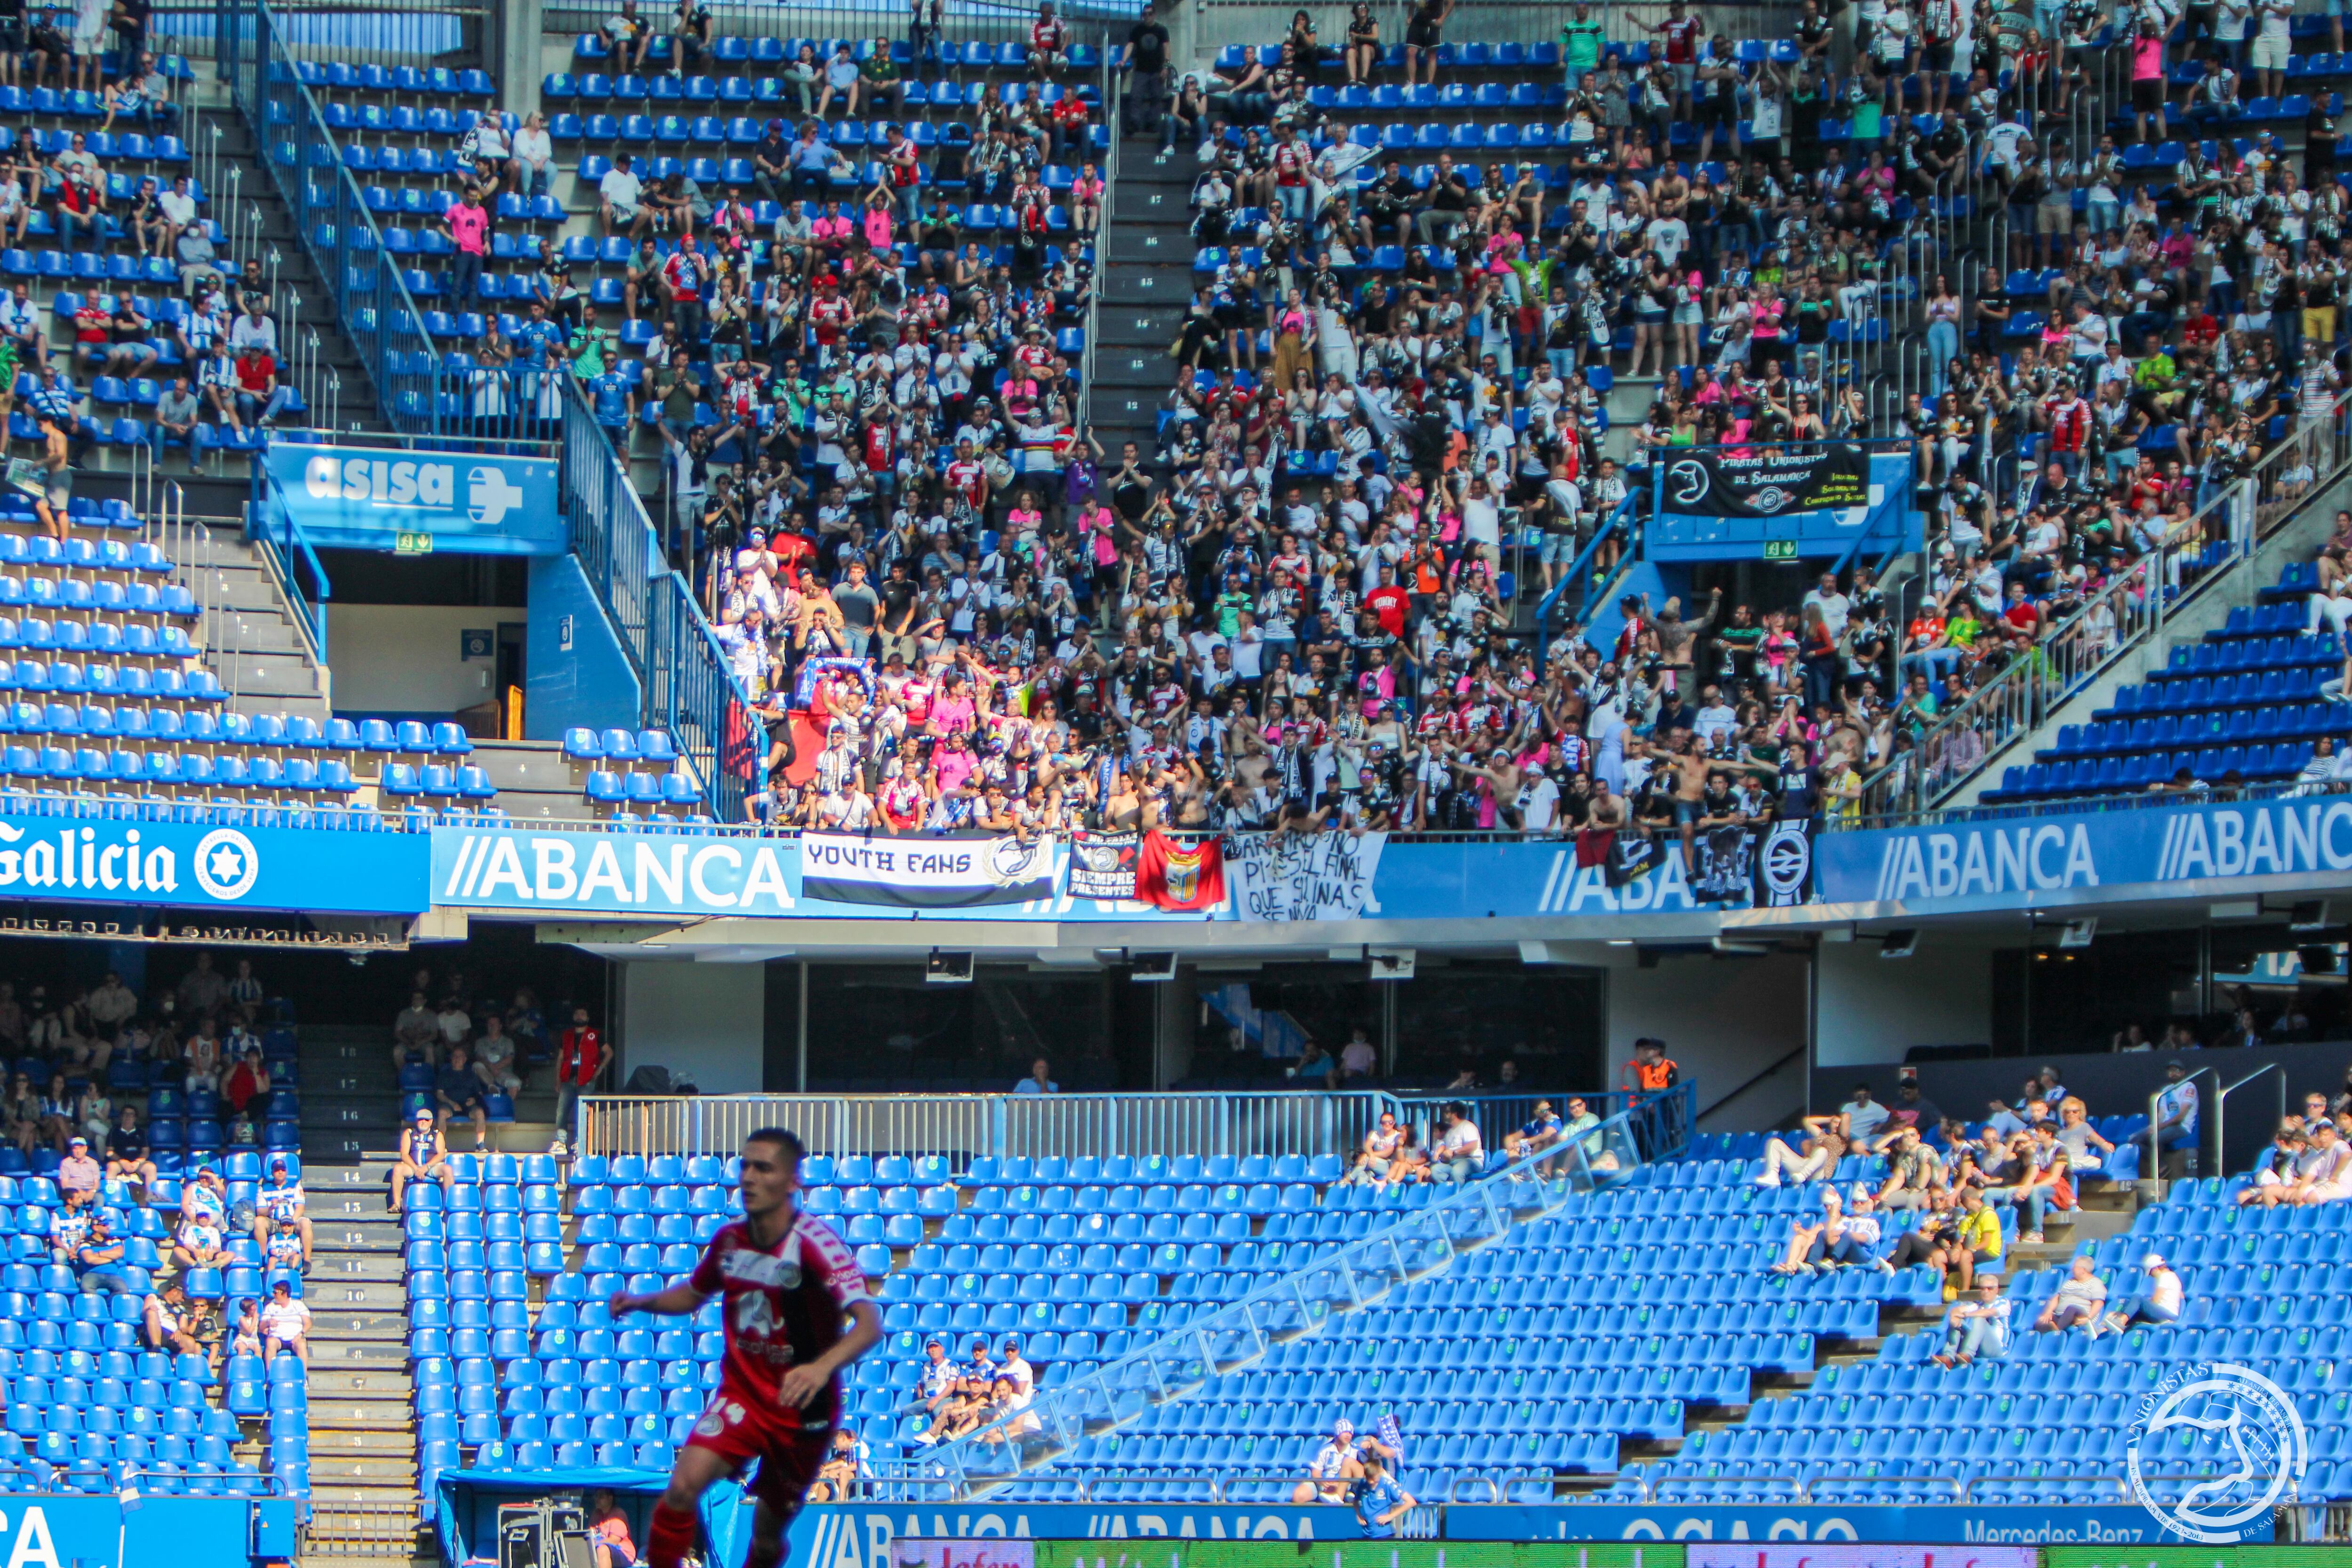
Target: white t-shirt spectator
[285,1320]
[1460,1142]
[1864,1119]
[623,190]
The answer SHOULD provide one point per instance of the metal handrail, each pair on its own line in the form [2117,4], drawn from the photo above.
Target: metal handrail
[1190,1356]
[2221,1109]
[1619,516]
[287,552]
[387,313]
[1113,80]
[2019,700]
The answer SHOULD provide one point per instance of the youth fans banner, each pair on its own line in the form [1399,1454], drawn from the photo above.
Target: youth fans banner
[1766,482]
[925,873]
[1303,876]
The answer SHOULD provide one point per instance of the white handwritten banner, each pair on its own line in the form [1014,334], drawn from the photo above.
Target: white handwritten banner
[925,872]
[1300,876]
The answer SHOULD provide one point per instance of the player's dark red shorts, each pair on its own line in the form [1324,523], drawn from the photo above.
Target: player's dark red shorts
[791,1445]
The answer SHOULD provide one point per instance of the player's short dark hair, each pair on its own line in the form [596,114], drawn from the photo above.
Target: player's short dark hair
[794,1150]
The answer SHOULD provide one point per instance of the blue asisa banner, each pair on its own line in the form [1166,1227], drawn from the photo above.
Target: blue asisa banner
[366,497]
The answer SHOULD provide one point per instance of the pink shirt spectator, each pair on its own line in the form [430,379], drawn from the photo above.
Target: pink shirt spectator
[2147,58]
[469,227]
[877,227]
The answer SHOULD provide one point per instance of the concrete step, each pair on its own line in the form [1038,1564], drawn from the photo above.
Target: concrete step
[386,1437]
[365,1470]
[339,1382]
[333,1267]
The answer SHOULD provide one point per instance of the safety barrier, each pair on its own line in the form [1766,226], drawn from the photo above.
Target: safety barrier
[1420,1242]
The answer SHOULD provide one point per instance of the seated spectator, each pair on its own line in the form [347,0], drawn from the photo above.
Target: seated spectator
[199,1245]
[69,1228]
[608,1531]
[1541,1131]
[1039,1081]
[416,1035]
[938,1386]
[2080,1298]
[1860,1117]
[244,1335]
[285,1326]
[2318,1169]
[1008,1417]
[77,1172]
[2085,1149]
[840,1468]
[97,1262]
[2157,1306]
[1459,1156]
[1378,1151]
[495,1057]
[281,1202]
[459,1092]
[2043,1183]
[1976,1329]
[1811,1161]
[1333,1466]
[1914,1171]
[1806,1243]
[424,1155]
[1359,1062]
[165,1323]
[286,1247]
[126,1150]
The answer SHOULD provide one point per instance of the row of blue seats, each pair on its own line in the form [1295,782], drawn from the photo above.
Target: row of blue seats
[2195,731]
[2177,1219]
[778,51]
[2213,765]
[2224,656]
[336,76]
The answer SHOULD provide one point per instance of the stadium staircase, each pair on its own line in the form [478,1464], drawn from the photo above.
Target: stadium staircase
[363,1474]
[1146,290]
[363,1461]
[345,398]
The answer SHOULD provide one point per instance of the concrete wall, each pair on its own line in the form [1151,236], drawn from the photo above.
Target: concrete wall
[1872,1008]
[705,1020]
[1724,1020]
[405,658]
[575,674]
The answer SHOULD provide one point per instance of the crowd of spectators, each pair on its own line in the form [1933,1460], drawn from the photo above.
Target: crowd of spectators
[458,1056]
[113,1058]
[1303,607]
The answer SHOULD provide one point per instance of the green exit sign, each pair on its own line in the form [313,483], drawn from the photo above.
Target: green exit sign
[405,543]
[1780,550]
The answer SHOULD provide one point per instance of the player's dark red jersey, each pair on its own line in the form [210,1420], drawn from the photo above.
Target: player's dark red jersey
[785,1305]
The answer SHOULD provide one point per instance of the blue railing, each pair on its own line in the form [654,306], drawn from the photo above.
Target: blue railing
[1619,525]
[272,527]
[331,216]
[1410,1242]
[688,688]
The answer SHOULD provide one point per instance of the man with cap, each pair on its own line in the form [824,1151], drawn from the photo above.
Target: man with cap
[2159,1303]
[281,1203]
[165,1323]
[423,1153]
[77,1172]
[937,1385]
[284,1324]
[1335,1464]
[97,1262]
[2176,1121]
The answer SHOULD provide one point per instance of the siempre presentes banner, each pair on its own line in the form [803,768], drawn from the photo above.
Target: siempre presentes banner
[925,873]
[1303,876]
[1766,482]
[1102,865]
